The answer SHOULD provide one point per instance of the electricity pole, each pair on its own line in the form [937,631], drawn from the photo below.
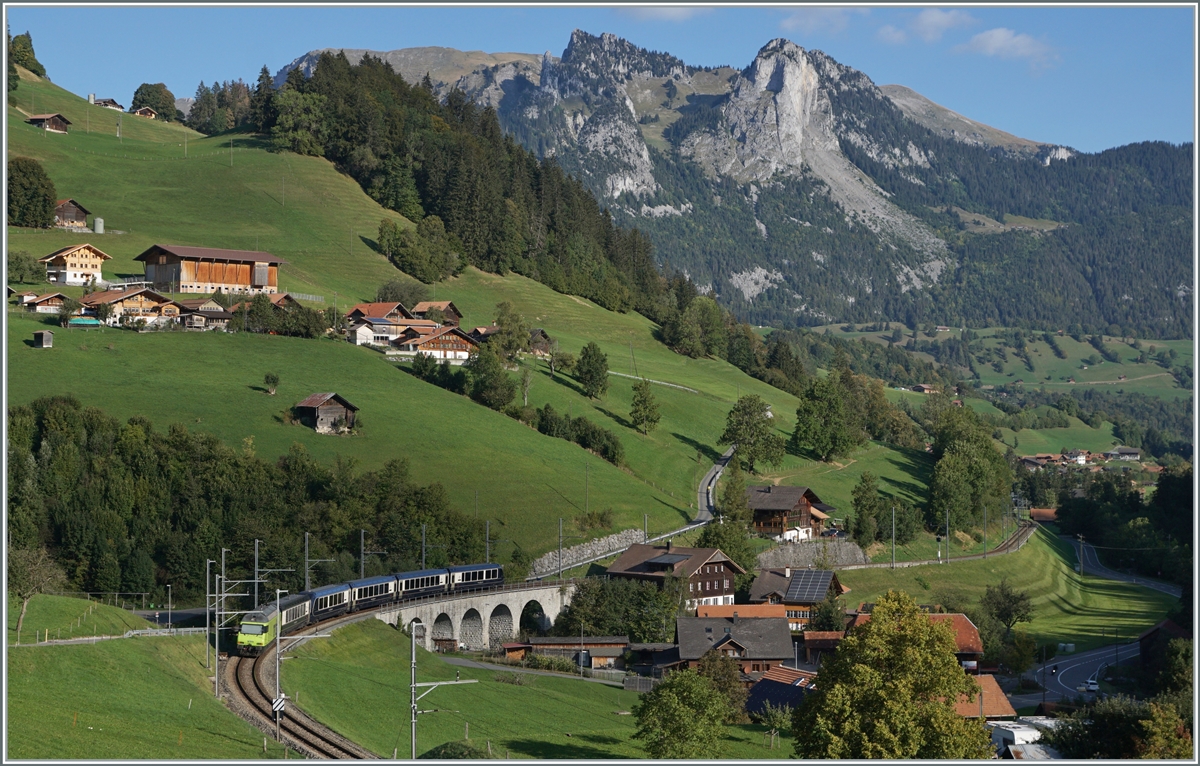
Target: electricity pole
[893,536]
[255,574]
[985,530]
[947,535]
[309,562]
[363,553]
[207,607]
[278,633]
[487,541]
[560,548]
[412,687]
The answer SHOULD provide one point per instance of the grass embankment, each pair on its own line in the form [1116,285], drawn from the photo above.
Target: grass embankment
[357,683]
[1067,606]
[66,617]
[123,699]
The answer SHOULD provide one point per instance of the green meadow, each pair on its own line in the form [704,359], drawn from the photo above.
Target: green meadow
[357,683]
[61,617]
[1068,607]
[142,697]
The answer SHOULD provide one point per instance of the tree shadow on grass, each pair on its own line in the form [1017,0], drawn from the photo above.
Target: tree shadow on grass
[542,750]
[258,388]
[684,513]
[569,501]
[708,452]
[601,739]
[616,418]
[563,380]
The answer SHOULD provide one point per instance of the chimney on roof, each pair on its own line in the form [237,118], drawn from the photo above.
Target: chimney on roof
[787,571]
[735,618]
[670,545]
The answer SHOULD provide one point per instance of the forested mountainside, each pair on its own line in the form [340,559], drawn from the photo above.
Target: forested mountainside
[800,193]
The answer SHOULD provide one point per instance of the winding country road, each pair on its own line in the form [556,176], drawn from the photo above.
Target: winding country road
[1092,565]
[705,501]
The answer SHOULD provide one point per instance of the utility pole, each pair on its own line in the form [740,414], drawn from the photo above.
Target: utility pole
[645,528]
[217,642]
[363,553]
[278,633]
[487,541]
[207,607]
[412,686]
[309,562]
[560,548]
[1081,556]
[256,576]
[893,536]
[947,535]
[585,485]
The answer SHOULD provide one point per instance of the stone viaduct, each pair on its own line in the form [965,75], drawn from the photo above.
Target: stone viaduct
[479,619]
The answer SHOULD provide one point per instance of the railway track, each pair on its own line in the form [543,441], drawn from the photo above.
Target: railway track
[251,686]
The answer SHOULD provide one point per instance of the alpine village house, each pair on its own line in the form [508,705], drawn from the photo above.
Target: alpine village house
[708,571]
[185,269]
[75,264]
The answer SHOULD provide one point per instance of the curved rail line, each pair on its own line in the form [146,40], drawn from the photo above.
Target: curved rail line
[249,691]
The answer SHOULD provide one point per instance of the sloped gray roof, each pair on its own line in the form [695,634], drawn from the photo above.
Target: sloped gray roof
[763,638]
[771,498]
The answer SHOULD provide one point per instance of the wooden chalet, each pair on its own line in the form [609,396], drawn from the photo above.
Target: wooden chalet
[187,269]
[378,310]
[480,334]
[449,311]
[444,344]
[43,339]
[54,123]
[540,344]
[799,590]
[709,572]
[790,513]
[45,304]
[110,103]
[70,214]
[203,314]
[131,305]
[278,300]
[75,264]
[327,413]
[757,644]
[145,111]
[924,388]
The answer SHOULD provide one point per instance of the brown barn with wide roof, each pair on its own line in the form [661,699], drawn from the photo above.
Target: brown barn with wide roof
[187,269]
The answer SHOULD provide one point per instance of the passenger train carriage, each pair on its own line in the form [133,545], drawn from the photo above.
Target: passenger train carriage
[261,627]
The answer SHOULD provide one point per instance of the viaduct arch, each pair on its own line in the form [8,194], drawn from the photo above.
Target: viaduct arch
[480,619]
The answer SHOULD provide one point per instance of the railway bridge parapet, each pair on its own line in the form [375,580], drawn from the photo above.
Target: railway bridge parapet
[482,619]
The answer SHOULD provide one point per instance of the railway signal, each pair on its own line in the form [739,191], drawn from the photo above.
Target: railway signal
[278,704]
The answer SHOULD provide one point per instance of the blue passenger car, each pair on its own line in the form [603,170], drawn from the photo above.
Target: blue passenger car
[372,591]
[472,576]
[330,601]
[423,582]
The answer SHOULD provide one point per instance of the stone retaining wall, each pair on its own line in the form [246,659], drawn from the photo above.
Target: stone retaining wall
[577,554]
[837,552]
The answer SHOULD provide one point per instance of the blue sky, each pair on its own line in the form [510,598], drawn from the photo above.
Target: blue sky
[1090,78]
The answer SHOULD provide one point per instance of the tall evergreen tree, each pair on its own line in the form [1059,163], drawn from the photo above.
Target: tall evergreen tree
[592,371]
[31,194]
[643,413]
[262,106]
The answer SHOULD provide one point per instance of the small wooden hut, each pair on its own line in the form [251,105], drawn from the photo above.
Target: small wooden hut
[55,123]
[327,413]
[43,339]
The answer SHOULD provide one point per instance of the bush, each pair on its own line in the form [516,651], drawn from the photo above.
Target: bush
[550,662]
[516,679]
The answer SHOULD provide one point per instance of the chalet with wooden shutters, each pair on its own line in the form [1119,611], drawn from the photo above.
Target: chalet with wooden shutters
[75,264]
[69,214]
[49,303]
[327,413]
[378,310]
[708,571]
[145,111]
[450,312]
[110,103]
[444,344]
[756,644]
[788,513]
[131,305]
[53,123]
[186,269]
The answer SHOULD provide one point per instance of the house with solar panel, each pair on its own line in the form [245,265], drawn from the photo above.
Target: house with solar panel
[708,571]
[799,590]
[787,513]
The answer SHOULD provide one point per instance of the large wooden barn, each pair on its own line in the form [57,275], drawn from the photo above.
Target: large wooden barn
[69,213]
[326,412]
[186,269]
[55,123]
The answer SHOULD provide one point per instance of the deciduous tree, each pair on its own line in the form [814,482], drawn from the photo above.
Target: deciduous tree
[824,424]
[512,333]
[271,380]
[750,426]
[30,572]
[725,675]
[490,384]
[23,267]
[681,717]
[157,97]
[733,503]
[299,123]
[890,692]
[1008,605]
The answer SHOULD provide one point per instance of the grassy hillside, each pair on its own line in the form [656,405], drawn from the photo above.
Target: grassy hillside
[119,700]
[67,618]
[352,682]
[1067,607]
[144,187]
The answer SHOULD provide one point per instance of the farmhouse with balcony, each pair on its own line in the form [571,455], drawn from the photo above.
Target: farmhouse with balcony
[799,590]
[53,123]
[145,111]
[757,644]
[204,314]
[450,313]
[327,413]
[790,513]
[49,303]
[186,269]
[69,214]
[708,571]
[75,264]
[1123,453]
[443,343]
[130,305]
[381,331]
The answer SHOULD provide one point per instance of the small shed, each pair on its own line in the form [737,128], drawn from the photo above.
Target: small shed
[43,339]
[68,212]
[55,123]
[145,111]
[326,412]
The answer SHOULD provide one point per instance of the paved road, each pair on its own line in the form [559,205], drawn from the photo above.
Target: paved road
[465,663]
[705,501]
[1073,671]
[1092,565]
[177,615]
